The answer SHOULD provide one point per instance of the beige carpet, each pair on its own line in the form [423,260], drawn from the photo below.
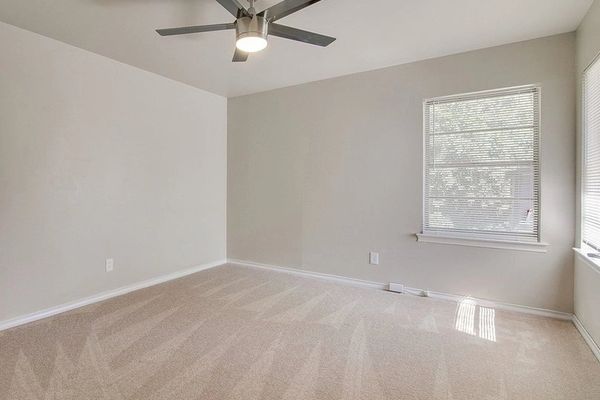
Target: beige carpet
[241,333]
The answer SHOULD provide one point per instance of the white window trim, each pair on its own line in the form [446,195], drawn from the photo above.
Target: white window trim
[582,253]
[450,238]
[584,248]
[536,247]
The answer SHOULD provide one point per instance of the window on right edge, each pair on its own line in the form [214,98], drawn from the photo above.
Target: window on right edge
[482,165]
[590,183]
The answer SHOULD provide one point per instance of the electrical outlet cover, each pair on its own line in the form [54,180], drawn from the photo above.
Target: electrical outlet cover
[110,264]
[373,258]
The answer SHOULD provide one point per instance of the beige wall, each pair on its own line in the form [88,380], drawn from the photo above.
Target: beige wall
[588,37]
[587,278]
[99,159]
[319,174]
[587,295]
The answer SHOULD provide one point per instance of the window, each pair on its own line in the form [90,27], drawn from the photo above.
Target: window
[591,157]
[481,166]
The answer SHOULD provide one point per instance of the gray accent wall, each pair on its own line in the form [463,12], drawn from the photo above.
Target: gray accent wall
[322,173]
[100,160]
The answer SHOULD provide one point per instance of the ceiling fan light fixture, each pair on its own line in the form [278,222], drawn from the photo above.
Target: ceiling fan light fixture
[253,29]
[251,44]
[251,34]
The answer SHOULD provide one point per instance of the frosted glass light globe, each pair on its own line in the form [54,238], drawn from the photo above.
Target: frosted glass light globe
[251,44]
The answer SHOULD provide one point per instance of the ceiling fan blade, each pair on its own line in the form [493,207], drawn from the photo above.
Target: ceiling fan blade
[286,7]
[300,35]
[195,29]
[239,56]
[234,7]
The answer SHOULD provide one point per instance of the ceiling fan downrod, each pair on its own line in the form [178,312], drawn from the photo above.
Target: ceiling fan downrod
[251,9]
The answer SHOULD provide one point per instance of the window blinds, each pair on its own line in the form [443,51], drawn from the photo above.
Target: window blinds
[482,175]
[591,156]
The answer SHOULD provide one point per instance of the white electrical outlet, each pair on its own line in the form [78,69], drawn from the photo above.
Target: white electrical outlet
[110,264]
[373,258]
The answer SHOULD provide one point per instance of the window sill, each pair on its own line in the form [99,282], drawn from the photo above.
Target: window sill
[488,243]
[592,262]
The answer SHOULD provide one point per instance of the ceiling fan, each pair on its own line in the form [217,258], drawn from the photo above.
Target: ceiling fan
[253,28]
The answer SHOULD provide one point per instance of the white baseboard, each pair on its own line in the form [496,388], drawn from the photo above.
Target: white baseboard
[409,290]
[311,274]
[542,312]
[587,337]
[24,319]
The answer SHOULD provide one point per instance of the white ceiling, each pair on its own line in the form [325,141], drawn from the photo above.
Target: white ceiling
[371,34]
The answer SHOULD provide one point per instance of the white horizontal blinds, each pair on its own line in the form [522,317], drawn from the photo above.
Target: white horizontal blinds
[591,158]
[482,175]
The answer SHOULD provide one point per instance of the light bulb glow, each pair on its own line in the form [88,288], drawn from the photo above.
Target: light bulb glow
[251,44]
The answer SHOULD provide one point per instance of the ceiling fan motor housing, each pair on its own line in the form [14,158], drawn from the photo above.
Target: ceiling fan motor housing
[252,27]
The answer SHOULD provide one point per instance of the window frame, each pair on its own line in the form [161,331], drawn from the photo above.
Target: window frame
[584,247]
[489,240]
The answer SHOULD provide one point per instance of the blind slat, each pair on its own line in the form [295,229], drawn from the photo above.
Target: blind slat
[482,164]
[591,156]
